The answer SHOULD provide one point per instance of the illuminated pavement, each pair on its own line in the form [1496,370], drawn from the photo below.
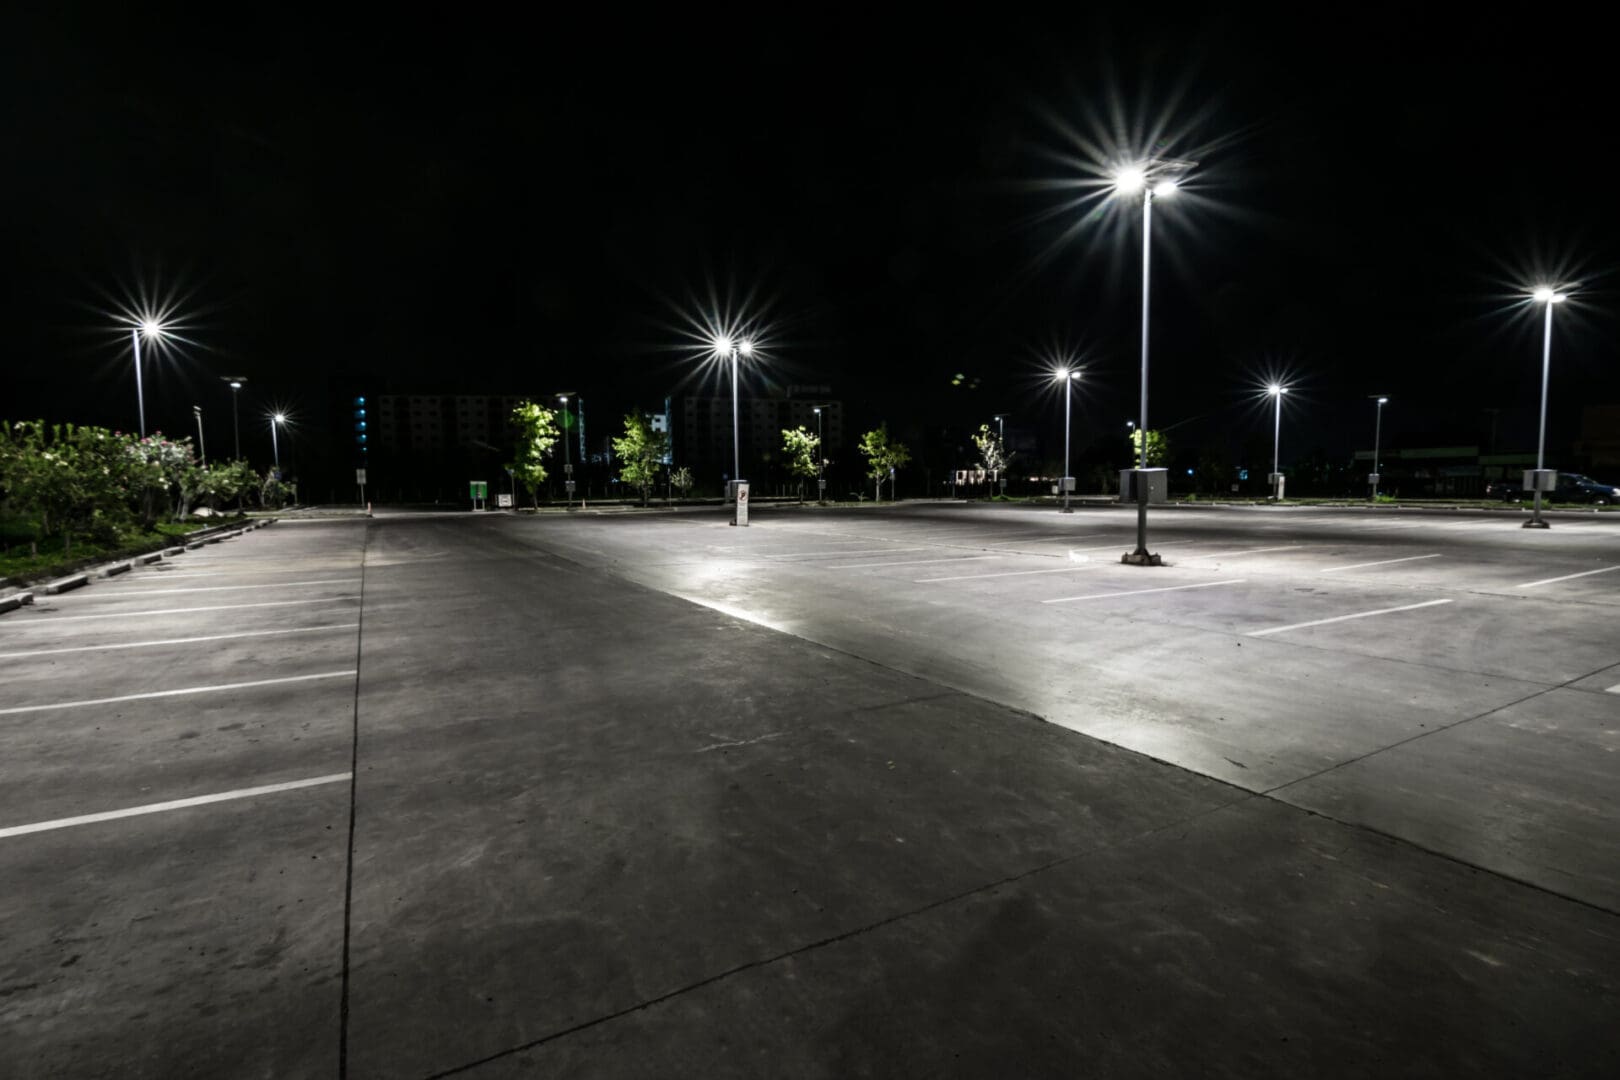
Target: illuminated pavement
[1333,793]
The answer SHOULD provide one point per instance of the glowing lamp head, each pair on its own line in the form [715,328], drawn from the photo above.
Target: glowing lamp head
[1544,295]
[150,328]
[280,418]
[817,411]
[1164,188]
[1130,180]
[745,347]
[722,346]
[1383,401]
[1275,390]
[235,385]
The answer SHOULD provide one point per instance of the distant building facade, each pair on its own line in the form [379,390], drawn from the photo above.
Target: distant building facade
[703,430]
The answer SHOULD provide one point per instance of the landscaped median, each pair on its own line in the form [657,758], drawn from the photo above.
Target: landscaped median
[50,571]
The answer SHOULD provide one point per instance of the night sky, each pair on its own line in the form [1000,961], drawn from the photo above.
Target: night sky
[527,208]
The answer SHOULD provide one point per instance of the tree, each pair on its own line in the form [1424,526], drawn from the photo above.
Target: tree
[1158,447]
[802,449]
[536,435]
[993,456]
[681,480]
[641,451]
[883,457]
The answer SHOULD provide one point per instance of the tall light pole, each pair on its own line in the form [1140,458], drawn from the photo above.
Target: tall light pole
[150,328]
[276,420]
[1546,297]
[1067,377]
[821,461]
[236,382]
[726,347]
[1378,433]
[202,447]
[1277,393]
[1154,179]
[1001,441]
[568,465]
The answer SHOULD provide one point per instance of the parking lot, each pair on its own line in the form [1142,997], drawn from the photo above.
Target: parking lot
[865,791]
[1448,678]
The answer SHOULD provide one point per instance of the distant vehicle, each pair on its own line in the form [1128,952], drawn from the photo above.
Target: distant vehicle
[1572,488]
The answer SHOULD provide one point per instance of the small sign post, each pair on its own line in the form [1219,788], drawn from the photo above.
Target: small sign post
[504,500]
[360,478]
[478,491]
[739,513]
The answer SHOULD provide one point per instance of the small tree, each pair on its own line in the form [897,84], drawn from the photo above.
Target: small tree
[641,451]
[883,457]
[993,456]
[681,480]
[801,448]
[536,435]
[1158,447]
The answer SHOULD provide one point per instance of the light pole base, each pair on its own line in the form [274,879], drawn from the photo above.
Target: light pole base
[1141,558]
[1535,523]
[1065,509]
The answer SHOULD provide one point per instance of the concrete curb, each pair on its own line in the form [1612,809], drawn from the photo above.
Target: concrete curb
[149,558]
[15,601]
[61,585]
[118,568]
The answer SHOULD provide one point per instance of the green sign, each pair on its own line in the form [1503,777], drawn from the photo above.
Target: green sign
[478,489]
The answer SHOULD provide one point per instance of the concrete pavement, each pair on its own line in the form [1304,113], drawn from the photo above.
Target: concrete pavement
[813,823]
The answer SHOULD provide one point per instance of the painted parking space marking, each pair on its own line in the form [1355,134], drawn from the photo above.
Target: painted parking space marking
[1380,562]
[225,588]
[1143,592]
[838,554]
[1615,689]
[1346,618]
[1007,573]
[182,692]
[1246,551]
[178,641]
[915,562]
[52,620]
[1567,577]
[173,804]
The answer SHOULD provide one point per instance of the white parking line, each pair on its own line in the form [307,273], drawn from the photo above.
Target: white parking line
[1613,689]
[1048,538]
[14,710]
[1141,592]
[177,641]
[1246,551]
[1007,573]
[223,588]
[1343,618]
[912,562]
[1567,577]
[54,619]
[1380,562]
[838,554]
[173,804]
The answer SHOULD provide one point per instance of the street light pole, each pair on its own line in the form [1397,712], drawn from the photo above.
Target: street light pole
[1155,179]
[1277,392]
[1067,377]
[275,445]
[1548,298]
[202,446]
[236,425]
[1378,433]
[821,461]
[140,393]
[568,465]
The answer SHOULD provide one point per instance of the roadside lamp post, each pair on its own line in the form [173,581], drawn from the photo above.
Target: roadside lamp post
[202,447]
[1277,393]
[149,328]
[1001,439]
[1066,376]
[568,465]
[725,346]
[1547,297]
[821,461]
[276,420]
[236,382]
[1155,180]
[1378,432]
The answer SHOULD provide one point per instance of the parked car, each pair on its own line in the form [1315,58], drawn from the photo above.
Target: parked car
[1572,488]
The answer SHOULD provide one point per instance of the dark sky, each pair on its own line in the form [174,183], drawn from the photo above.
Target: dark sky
[526,207]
